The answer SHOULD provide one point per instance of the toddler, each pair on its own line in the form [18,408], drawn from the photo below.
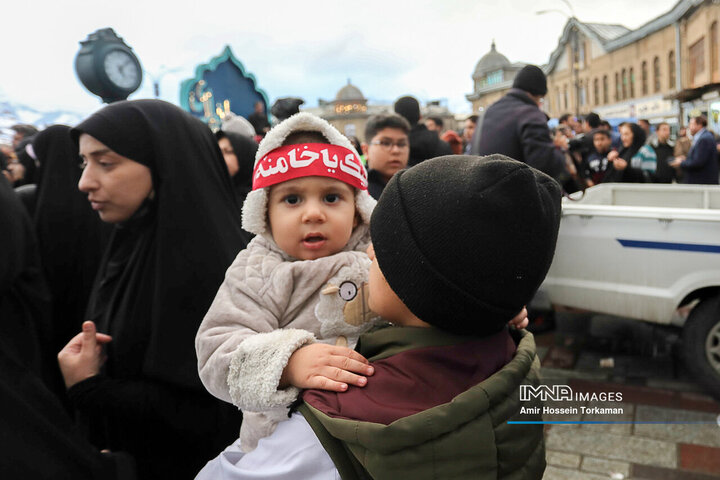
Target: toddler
[300,280]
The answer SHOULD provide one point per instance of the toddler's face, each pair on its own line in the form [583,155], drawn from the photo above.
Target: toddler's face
[311,217]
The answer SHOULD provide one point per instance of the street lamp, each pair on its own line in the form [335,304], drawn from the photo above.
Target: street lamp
[575,64]
[156,78]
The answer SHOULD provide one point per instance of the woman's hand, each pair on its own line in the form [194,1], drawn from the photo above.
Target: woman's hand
[620,163]
[326,367]
[82,357]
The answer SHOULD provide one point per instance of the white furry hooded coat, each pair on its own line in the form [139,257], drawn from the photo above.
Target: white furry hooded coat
[270,304]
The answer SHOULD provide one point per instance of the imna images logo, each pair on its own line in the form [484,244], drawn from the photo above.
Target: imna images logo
[564,393]
[545,392]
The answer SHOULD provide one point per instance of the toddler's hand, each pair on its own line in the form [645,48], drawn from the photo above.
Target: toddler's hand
[520,320]
[326,367]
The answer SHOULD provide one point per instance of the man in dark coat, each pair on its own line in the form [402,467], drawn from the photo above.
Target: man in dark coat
[701,165]
[664,150]
[424,144]
[516,127]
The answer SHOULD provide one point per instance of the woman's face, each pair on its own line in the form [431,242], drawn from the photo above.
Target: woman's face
[116,186]
[626,135]
[229,155]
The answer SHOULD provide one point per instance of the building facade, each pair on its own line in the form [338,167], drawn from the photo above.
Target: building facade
[492,78]
[666,70]
[350,111]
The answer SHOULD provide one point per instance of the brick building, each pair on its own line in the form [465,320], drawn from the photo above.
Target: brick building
[492,78]
[350,111]
[664,70]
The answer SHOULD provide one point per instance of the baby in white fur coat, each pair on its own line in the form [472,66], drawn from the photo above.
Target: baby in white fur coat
[298,288]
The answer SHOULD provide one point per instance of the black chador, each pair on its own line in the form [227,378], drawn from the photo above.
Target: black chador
[156,280]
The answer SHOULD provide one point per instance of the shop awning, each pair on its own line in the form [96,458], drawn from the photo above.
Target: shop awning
[690,94]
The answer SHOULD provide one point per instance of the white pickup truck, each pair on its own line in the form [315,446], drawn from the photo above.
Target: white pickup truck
[642,251]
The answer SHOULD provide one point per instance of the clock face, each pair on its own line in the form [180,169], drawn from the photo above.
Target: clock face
[122,69]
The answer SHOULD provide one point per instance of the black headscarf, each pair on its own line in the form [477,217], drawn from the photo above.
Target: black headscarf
[27,161]
[163,267]
[639,136]
[245,149]
[156,280]
[71,236]
[24,300]
[629,174]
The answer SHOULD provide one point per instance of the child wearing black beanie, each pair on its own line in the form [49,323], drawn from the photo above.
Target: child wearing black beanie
[460,245]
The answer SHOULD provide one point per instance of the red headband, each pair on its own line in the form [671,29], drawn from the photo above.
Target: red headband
[307,160]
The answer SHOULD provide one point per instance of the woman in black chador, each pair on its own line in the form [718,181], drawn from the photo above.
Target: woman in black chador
[37,437]
[71,237]
[239,154]
[24,299]
[156,174]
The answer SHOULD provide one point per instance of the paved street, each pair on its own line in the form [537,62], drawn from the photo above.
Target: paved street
[606,354]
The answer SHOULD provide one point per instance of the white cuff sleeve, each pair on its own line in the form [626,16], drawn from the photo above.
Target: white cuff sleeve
[257,365]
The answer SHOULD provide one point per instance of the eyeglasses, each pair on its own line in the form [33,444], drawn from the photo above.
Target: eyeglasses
[386,144]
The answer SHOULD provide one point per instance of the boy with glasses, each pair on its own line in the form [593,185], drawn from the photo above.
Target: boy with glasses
[387,149]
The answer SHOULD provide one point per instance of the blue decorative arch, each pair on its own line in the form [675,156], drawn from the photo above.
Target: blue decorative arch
[221,86]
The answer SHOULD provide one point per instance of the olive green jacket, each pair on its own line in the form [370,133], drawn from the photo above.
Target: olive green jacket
[467,438]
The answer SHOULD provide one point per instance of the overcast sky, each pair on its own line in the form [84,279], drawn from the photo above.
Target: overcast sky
[301,48]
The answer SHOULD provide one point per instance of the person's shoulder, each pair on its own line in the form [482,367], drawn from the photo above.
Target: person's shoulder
[648,149]
[531,115]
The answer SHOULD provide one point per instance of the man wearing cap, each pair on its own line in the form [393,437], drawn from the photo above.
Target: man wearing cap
[516,127]
[424,144]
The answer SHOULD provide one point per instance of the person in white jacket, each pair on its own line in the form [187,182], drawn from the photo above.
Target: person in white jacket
[295,296]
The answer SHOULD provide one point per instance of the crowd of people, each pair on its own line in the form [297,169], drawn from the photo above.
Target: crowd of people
[178,303]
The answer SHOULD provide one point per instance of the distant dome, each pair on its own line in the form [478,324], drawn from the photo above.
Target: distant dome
[349,93]
[490,62]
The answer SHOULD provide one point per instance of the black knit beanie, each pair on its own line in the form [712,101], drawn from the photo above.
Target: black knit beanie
[409,108]
[466,241]
[531,79]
